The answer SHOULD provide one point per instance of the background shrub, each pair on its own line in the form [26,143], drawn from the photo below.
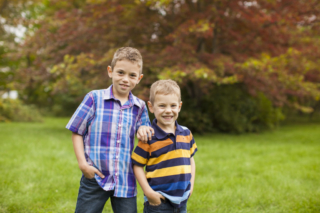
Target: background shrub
[229,108]
[14,110]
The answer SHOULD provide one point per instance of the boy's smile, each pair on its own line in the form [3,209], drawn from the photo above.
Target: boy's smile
[125,76]
[166,109]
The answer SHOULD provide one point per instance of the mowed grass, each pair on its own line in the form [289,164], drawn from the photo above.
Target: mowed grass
[274,171]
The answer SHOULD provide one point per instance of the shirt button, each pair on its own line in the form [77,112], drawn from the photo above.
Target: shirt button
[116,174]
[118,141]
[119,125]
[116,156]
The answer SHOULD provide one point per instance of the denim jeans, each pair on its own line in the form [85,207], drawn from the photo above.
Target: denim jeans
[92,198]
[164,207]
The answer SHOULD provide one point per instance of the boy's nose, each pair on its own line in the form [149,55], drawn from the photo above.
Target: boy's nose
[125,78]
[167,109]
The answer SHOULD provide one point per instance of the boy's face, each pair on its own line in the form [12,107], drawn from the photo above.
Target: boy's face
[166,109]
[125,76]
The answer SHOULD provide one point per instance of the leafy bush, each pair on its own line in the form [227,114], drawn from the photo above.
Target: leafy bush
[229,108]
[14,110]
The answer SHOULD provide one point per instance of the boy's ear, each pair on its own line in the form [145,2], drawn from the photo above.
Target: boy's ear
[139,79]
[180,105]
[150,106]
[110,71]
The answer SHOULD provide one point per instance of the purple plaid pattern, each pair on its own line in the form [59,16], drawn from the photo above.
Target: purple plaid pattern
[108,131]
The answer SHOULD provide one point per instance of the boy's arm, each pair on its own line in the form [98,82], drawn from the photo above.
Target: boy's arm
[193,174]
[87,170]
[154,198]
[143,124]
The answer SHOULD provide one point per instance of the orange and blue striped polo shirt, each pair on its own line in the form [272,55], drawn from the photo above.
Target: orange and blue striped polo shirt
[167,161]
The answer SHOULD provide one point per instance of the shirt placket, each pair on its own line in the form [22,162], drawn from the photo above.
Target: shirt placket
[118,143]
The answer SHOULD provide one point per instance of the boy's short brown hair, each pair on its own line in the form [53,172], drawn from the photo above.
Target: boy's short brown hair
[164,87]
[127,53]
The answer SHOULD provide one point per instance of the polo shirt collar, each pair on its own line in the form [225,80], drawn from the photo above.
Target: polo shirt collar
[108,94]
[160,134]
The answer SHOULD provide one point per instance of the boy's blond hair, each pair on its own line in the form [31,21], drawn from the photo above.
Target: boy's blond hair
[164,87]
[127,53]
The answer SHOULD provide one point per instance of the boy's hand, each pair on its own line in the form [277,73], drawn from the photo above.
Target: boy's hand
[89,171]
[144,133]
[154,198]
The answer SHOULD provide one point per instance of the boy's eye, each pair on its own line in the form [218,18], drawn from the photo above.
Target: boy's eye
[120,72]
[133,75]
[173,105]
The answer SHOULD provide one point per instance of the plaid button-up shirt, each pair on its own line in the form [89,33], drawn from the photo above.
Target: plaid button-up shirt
[108,129]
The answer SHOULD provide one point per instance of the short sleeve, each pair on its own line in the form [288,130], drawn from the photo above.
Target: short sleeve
[193,146]
[140,154]
[144,118]
[82,116]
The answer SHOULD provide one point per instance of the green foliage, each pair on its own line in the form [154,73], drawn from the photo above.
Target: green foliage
[14,20]
[229,108]
[64,105]
[7,66]
[69,44]
[15,110]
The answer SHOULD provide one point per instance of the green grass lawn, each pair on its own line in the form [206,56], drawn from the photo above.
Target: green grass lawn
[276,171]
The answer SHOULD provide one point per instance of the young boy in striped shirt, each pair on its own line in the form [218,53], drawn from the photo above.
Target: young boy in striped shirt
[170,168]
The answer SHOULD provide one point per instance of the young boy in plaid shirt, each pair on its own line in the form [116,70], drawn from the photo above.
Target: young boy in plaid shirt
[103,129]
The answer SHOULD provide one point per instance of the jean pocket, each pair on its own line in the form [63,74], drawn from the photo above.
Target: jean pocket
[154,209]
[155,205]
[89,179]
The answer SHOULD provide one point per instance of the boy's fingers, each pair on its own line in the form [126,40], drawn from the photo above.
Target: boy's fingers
[143,135]
[149,134]
[145,138]
[99,173]
[139,136]
[151,130]
[142,139]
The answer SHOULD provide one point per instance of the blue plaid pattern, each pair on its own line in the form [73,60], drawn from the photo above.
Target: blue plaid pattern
[108,129]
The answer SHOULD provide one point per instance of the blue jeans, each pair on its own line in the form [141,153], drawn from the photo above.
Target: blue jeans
[164,207]
[92,198]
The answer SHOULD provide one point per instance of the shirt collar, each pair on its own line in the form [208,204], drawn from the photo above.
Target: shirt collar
[108,94]
[160,134]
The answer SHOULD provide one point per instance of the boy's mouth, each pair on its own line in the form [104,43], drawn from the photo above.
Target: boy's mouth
[124,85]
[167,117]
